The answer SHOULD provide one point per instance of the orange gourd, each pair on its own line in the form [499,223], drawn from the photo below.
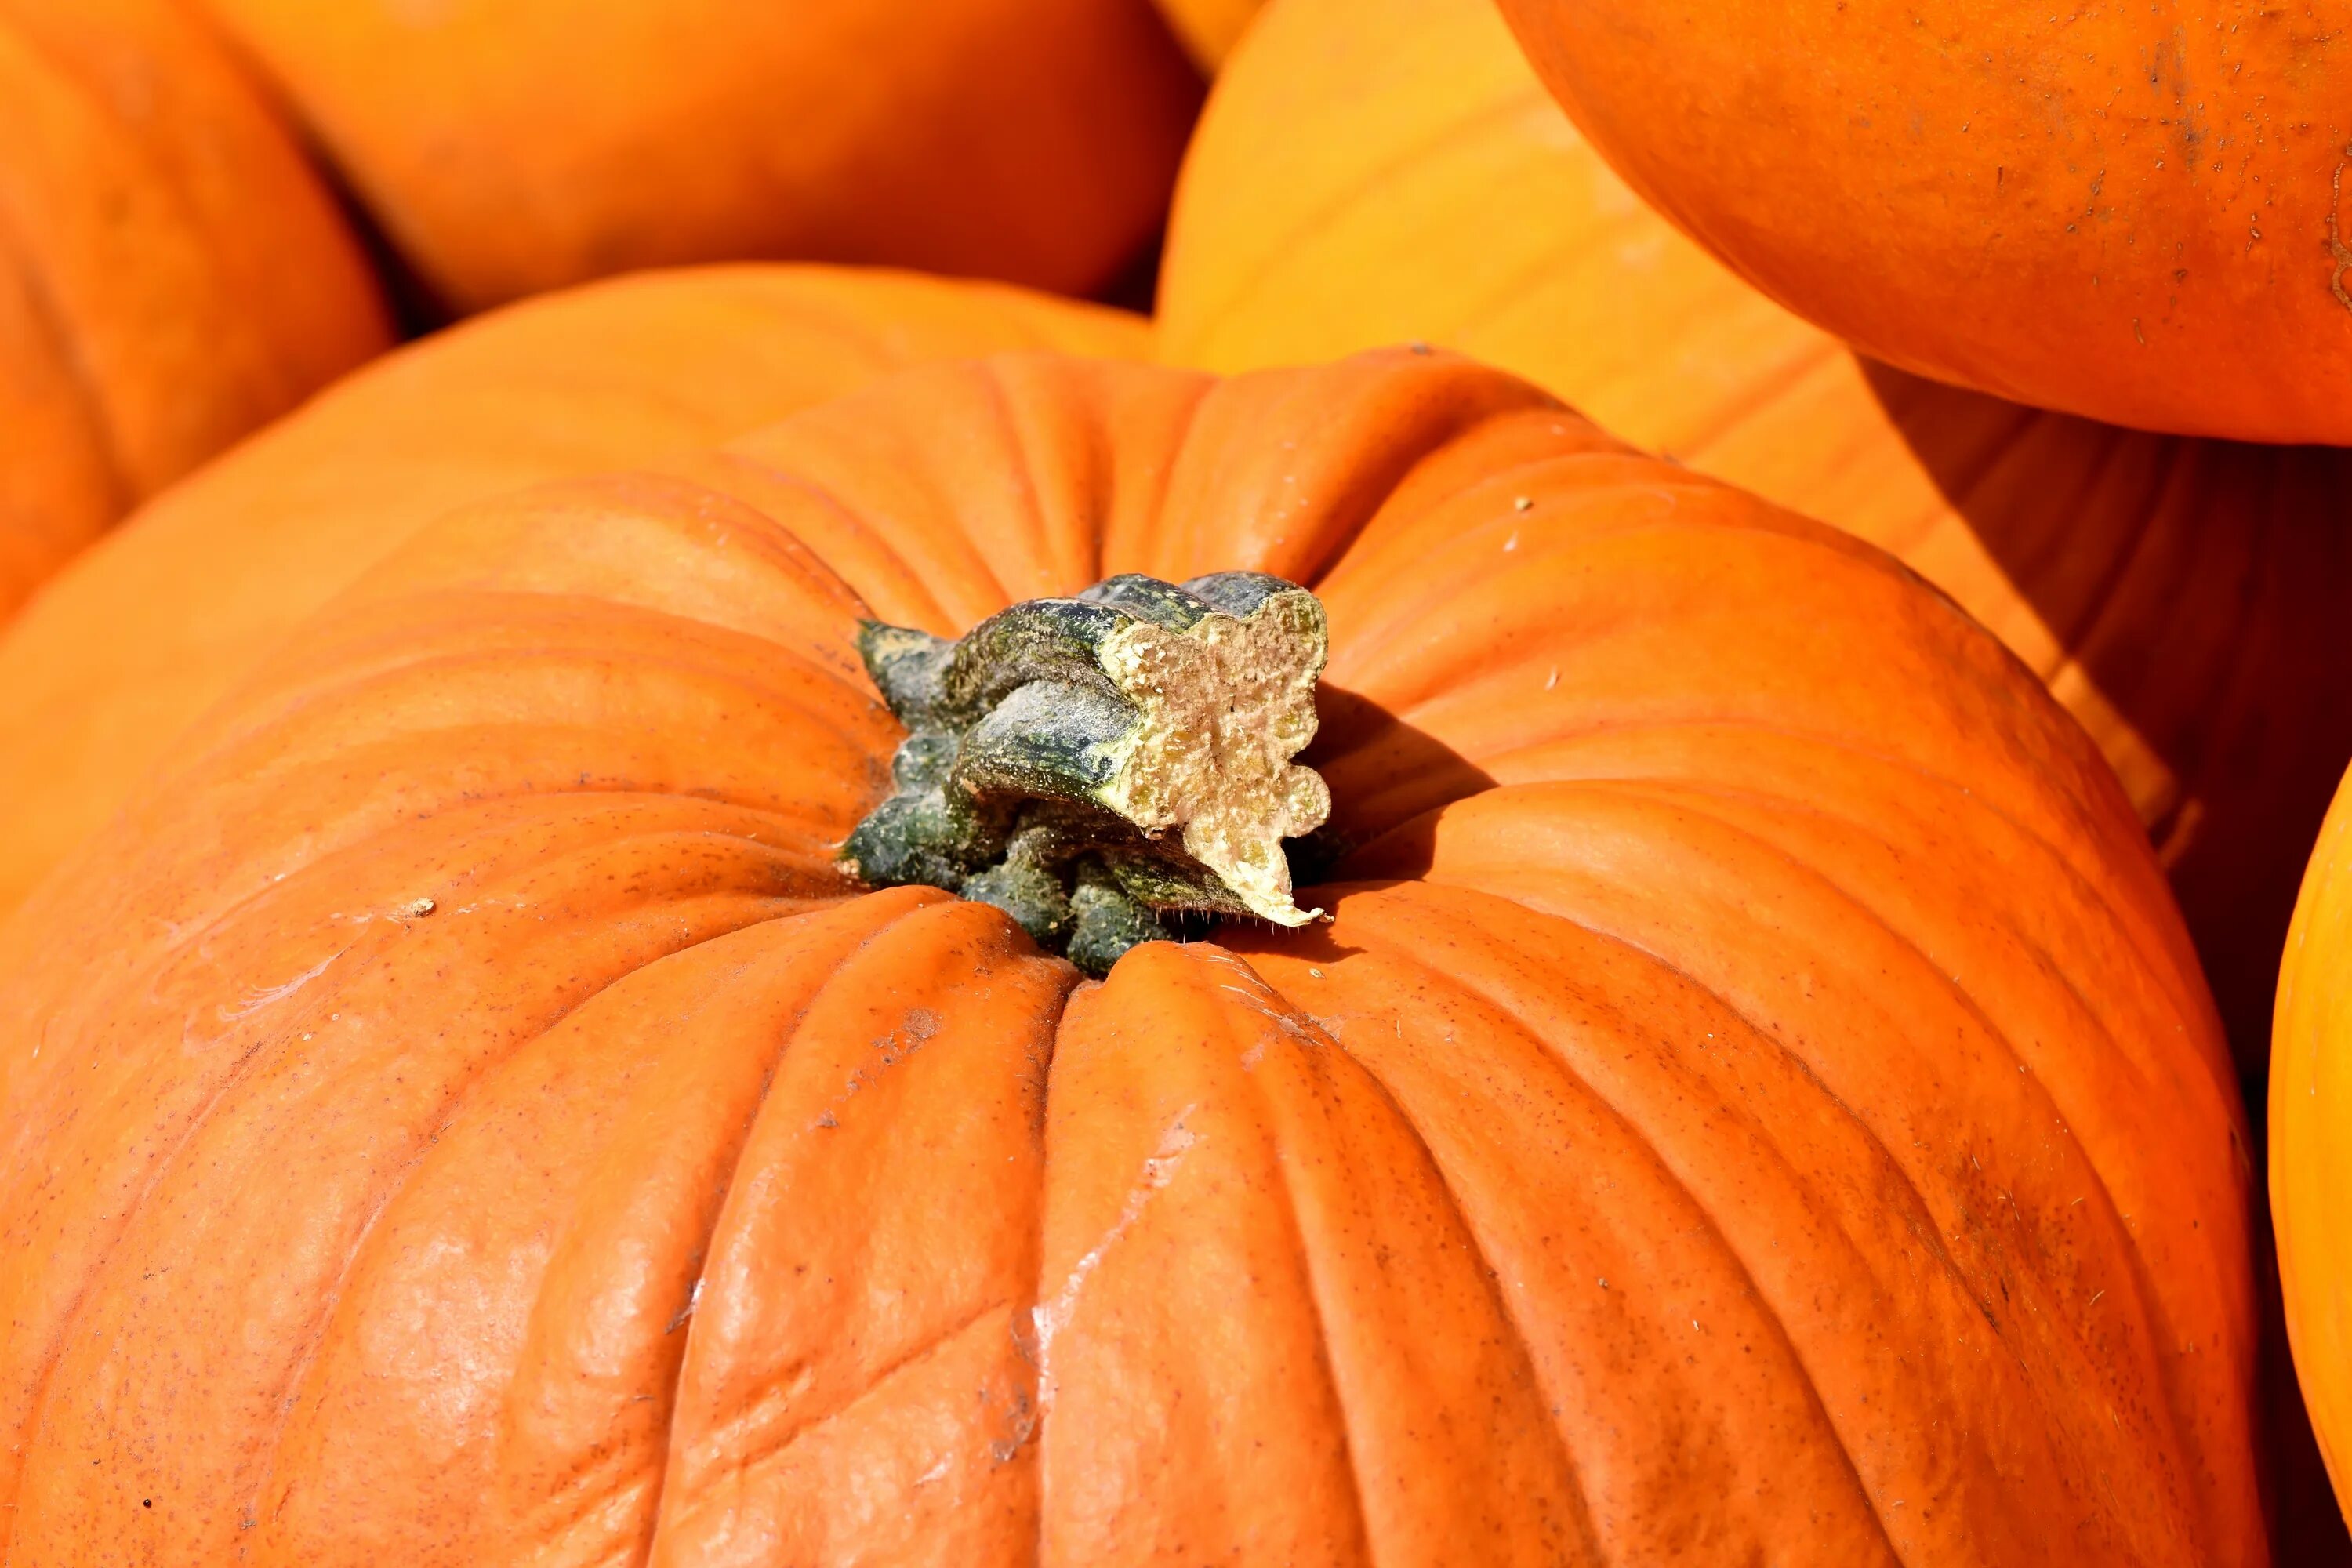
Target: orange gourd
[1374,171]
[2133,213]
[99,676]
[1755,1100]
[2310,1097]
[507,147]
[172,272]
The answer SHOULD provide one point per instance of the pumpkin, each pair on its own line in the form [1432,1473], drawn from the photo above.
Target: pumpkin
[2136,214]
[99,676]
[2309,1093]
[1753,1099]
[1209,28]
[1374,171]
[172,273]
[507,147]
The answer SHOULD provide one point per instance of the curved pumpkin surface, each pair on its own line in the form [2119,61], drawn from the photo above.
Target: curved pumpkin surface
[101,675]
[1209,28]
[172,273]
[2133,213]
[507,147]
[2180,597]
[2309,1175]
[1754,1101]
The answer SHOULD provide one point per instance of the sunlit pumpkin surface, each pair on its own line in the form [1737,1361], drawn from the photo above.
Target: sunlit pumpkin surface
[1754,1101]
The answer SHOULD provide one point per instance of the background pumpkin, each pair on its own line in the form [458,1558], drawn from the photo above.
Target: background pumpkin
[512,146]
[172,272]
[1374,171]
[1209,28]
[101,675]
[2308,1178]
[2132,213]
[1759,1101]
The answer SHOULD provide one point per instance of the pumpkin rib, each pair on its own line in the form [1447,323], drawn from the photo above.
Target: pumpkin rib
[928,610]
[819,944]
[1658,1149]
[2156,957]
[1659,786]
[36,1408]
[1289,1019]
[1350,1464]
[1418,959]
[1962,1283]
[388,1192]
[2169,1367]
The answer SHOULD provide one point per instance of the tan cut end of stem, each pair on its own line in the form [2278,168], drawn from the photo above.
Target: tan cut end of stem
[1225,705]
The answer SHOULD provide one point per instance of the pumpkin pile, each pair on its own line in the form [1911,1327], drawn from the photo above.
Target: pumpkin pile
[1610,852]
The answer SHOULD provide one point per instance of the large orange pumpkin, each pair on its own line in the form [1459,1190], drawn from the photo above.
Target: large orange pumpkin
[1373,171]
[1755,1102]
[172,273]
[99,676]
[2310,1160]
[2133,213]
[512,146]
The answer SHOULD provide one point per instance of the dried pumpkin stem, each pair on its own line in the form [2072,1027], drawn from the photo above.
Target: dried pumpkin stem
[1088,764]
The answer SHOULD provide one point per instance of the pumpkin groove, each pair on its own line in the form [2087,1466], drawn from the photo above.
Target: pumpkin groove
[1673,1144]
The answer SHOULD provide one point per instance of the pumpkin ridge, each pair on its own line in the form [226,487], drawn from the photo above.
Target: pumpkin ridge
[330,1298]
[1951,1265]
[933,611]
[1419,959]
[165,1161]
[1571,1464]
[603,1475]
[2167,1366]
[2155,958]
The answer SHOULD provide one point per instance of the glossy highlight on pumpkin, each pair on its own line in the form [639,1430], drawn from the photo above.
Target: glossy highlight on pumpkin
[1756,1100]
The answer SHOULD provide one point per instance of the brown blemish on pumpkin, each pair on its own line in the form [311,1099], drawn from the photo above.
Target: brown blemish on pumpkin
[2338,249]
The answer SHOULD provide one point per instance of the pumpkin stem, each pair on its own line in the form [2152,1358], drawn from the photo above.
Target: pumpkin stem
[1050,749]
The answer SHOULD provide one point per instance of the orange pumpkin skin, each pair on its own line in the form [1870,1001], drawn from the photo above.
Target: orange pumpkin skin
[507,147]
[1755,1077]
[2133,213]
[1209,28]
[99,676]
[172,273]
[2308,1177]
[2178,595]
